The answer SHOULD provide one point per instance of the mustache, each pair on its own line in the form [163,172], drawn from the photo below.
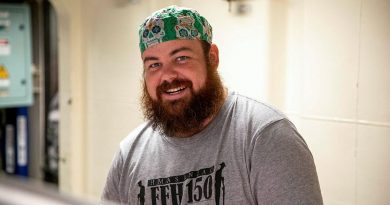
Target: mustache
[174,84]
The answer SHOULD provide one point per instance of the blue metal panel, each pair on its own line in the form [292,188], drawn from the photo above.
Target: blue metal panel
[15,56]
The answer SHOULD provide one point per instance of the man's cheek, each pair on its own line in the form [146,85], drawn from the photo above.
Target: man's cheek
[153,93]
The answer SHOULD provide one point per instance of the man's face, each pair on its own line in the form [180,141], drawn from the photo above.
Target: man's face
[181,90]
[174,69]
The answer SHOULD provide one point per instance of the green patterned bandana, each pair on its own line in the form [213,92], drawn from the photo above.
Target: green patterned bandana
[173,23]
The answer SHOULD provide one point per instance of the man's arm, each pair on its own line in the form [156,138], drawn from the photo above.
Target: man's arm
[282,168]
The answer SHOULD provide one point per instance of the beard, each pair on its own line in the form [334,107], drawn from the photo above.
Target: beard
[186,116]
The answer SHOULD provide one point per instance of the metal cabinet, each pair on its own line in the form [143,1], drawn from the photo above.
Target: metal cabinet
[15,56]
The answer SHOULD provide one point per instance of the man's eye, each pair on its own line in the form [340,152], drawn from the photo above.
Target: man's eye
[154,65]
[182,58]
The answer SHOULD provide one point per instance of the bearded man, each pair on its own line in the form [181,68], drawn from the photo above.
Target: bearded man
[203,144]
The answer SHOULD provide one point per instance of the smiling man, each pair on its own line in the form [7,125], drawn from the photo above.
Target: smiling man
[203,144]
[182,90]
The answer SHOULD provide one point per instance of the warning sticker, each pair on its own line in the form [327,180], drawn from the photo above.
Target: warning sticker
[4,77]
[5,47]
[4,14]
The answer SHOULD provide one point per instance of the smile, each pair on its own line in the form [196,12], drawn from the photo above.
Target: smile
[175,90]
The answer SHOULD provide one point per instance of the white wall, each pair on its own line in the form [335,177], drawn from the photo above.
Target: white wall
[341,79]
[72,95]
[324,62]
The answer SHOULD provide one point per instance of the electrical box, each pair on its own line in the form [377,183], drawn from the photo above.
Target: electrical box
[15,56]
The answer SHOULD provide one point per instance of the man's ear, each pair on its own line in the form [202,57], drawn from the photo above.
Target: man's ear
[214,56]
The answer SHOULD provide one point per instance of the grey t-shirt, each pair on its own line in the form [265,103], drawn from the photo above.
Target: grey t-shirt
[249,154]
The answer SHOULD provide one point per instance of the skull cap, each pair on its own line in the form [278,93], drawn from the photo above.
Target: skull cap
[172,23]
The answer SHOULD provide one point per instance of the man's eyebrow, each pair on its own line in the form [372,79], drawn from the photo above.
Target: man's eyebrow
[180,49]
[150,59]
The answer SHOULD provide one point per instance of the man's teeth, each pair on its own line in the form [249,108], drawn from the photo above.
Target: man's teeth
[175,90]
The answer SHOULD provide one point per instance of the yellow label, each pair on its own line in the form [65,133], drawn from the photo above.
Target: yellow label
[3,72]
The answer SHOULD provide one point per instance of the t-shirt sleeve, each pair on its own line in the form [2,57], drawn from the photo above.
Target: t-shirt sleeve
[282,167]
[110,192]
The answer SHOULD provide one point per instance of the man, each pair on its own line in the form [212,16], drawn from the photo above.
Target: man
[202,144]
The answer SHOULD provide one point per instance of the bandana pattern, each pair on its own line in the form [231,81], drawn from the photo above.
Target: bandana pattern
[185,28]
[173,23]
[153,32]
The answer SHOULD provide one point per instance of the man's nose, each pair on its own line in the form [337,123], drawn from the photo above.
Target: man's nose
[169,74]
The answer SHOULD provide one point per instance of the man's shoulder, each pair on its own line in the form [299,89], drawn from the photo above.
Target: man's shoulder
[136,136]
[255,108]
